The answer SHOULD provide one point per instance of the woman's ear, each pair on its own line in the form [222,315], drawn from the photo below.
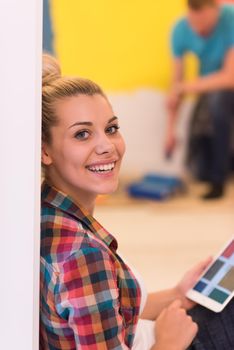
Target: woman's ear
[45,157]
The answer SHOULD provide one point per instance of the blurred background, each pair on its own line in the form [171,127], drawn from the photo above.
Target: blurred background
[124,46]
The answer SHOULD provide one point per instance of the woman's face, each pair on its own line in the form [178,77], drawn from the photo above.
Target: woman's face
[84,156]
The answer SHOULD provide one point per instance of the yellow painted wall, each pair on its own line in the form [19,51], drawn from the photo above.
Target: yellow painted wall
[121,44]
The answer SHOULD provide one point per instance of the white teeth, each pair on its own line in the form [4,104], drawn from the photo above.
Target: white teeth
[102,168]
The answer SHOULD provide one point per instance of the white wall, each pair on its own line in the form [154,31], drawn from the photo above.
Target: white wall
[142,117]
[20,42]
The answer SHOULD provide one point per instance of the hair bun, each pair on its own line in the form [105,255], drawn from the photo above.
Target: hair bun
[50,69]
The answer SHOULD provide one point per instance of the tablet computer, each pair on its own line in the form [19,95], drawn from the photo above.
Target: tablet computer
[215,288]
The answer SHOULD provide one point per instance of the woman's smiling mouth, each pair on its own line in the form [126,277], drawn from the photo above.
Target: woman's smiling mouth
[102,168]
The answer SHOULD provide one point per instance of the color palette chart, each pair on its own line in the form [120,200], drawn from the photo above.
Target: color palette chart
[218,281]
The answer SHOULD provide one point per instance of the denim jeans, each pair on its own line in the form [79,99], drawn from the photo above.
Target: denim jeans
[210,134]
[216,330]
[221,107]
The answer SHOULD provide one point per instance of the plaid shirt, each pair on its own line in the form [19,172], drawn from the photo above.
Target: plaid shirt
[90,298]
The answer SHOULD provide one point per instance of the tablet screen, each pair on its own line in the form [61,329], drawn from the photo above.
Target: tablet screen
[218,282]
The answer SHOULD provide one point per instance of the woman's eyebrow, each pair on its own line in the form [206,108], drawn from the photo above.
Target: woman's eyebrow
[112,119]
[90,123]
[81,123]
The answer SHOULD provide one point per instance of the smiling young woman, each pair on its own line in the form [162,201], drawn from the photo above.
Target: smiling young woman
[82,148]
[90,299]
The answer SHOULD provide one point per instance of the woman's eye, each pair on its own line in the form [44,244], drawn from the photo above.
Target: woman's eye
[82,135]
[112,129]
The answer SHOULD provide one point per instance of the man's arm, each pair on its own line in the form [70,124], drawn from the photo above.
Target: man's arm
[220,80]
[177,78]
[173,102]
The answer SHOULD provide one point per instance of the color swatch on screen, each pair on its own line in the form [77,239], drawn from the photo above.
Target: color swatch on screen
[218,282]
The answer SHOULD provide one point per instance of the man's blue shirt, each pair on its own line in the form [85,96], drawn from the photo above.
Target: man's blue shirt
[210,50]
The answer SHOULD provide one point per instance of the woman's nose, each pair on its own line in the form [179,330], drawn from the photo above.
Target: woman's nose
[104,145]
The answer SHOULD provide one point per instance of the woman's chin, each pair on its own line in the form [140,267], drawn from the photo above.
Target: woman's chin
[109,189]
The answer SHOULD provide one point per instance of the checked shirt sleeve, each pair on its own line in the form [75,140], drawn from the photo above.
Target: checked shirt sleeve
[87,297]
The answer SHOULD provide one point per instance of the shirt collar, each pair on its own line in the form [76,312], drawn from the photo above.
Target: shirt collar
[58,199]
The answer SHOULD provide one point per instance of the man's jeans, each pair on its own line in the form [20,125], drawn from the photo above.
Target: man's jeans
[211,130]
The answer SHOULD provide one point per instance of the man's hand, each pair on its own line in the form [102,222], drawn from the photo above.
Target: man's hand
[170,142]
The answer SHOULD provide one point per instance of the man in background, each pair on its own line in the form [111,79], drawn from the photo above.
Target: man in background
[208,32]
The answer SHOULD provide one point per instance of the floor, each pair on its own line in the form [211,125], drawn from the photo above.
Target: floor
[163,239]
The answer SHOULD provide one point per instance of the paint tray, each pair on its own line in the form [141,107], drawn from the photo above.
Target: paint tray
[155,186]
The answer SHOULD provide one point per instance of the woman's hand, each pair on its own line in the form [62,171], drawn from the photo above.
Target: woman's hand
[157,301]
[189,280]
[174,329]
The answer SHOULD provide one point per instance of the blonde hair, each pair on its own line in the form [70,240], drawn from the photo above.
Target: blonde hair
[56,87]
